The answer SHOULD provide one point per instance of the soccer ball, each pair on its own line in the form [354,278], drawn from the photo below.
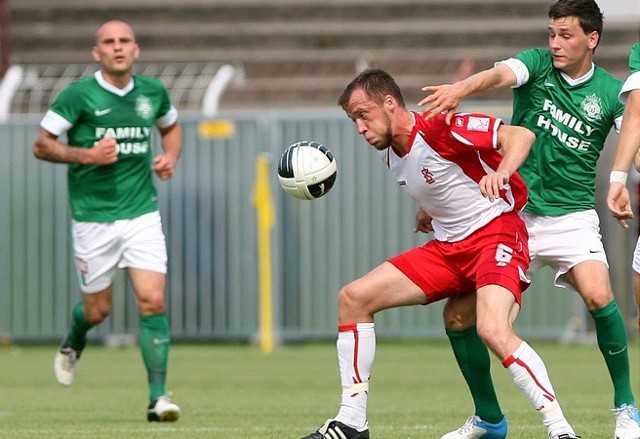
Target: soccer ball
[307,170]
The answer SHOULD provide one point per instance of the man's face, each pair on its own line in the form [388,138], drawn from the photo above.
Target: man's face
[372,121]
[116,49]
[571,48]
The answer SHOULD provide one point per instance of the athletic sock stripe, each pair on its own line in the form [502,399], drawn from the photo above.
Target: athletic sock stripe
[550,396]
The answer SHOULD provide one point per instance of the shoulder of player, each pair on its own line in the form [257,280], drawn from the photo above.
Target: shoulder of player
[610,83]
[147,81]
[604,73]
[82,83]
[80,86]
[539,63]
[538,54]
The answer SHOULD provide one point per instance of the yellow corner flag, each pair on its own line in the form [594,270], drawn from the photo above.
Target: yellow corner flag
[263,202]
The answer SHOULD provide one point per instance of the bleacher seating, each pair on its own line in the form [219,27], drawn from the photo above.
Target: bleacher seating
[303,52]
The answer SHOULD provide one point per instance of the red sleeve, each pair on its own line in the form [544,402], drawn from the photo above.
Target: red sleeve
[476,130]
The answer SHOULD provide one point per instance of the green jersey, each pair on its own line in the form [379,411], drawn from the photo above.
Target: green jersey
[633,81]
[90,109]
[571,121]
[634,59]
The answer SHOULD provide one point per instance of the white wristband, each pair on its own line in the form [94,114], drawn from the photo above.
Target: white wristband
[618,177]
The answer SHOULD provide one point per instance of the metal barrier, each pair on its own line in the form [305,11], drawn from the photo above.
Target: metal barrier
[210,223]
[193,87]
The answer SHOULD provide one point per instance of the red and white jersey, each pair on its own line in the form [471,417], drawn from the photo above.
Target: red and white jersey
[442,170]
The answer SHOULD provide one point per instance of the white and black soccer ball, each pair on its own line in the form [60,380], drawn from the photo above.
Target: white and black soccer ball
[307,170]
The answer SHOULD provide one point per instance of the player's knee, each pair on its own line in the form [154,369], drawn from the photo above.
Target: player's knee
[597,299]
[456,317]
[354,305]
[349,298]
[96,314]
[152,304]
[494,336]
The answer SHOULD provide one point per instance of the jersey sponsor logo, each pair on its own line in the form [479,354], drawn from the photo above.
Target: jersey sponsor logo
[132,148]
[102,112]
[123,133]
[144,109]
[130,140]
[568,121]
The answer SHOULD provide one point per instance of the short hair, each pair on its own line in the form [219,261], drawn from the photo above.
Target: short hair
[587,11]
[376,84]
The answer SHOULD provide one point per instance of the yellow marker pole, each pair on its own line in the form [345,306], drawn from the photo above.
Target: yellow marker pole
[263,203]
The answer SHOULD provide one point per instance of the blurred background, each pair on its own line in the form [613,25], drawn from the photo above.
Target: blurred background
[250,77]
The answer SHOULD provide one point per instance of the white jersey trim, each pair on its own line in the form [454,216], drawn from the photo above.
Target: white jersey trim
[581,79]
[111,88]
[55,124]
[168,119]
[632,83]
[519,69]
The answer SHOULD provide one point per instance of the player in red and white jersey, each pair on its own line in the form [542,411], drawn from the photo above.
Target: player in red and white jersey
[472,193]
[443,169]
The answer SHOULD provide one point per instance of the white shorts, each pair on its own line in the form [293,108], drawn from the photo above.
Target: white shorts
[636,258]
[101,248]
[562,242]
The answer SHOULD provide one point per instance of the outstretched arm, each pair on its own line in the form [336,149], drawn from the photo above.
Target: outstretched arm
[446,98]
[618,199]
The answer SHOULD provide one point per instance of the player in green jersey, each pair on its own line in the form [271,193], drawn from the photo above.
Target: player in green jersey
[108,119]
[571,105]
[628,150]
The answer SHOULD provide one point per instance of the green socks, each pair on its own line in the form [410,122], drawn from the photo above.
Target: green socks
[475,364]
[154,344]
[77,337]
[612,341]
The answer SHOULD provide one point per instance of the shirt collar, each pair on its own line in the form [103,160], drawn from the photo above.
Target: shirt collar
[581,79]
[111,88]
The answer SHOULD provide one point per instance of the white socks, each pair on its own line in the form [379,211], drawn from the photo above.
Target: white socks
[530,374]
[356,352]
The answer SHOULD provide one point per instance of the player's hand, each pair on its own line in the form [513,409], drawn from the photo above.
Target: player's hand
[104,152]
[491,185]
[423,222]
[163,166]
[619,203]
[440,98]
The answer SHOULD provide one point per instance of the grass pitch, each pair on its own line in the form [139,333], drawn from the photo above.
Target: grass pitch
[234,391]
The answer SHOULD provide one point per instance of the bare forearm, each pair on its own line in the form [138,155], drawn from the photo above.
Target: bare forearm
[516,143]
[48,148]
[495,78]
[446,98]
[172,142]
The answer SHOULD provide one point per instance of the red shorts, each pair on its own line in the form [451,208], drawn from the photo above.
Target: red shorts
[496,254]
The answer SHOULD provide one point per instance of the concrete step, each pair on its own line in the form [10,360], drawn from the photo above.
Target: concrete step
[141,11]
[299,52]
